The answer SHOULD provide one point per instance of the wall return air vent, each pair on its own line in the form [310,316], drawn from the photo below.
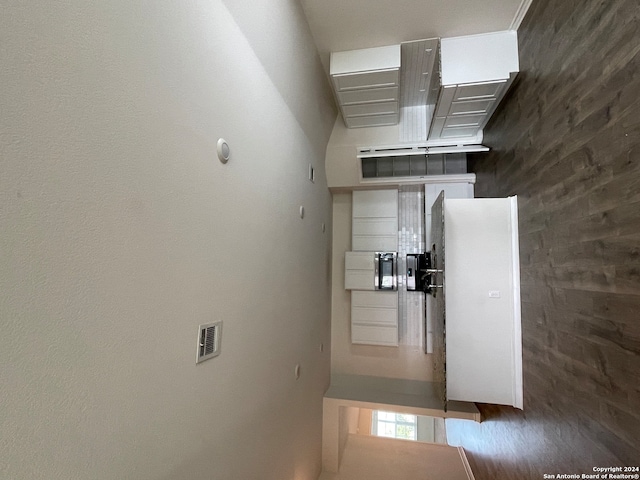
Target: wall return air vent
[209,340]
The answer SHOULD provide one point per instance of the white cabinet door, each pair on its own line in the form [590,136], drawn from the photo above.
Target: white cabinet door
[359,271]
[374,318]
[375,221]
[367,85]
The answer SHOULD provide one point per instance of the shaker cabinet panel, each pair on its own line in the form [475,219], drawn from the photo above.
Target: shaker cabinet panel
[459,132]
[374,318]
[374,335]
[478,107]
[475,91]
[473,120]
[367,85]
[358,280]
[359,261]
[375,203]
[383,78]
[375,221]
[376,243]
[359,271]
[375,299]
[350,97]
[371,120]
[375,226]
[380,108]
[377,316]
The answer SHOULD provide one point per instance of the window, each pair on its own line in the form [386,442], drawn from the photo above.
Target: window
[394,425]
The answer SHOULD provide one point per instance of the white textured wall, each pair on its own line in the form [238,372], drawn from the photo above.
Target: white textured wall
[120,233]
[376,458]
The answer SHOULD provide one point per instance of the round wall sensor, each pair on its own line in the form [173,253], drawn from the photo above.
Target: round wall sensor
[223,150]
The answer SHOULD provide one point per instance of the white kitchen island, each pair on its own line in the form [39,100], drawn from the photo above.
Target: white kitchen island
[480,320]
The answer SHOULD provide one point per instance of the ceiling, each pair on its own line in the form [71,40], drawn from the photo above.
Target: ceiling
[351,24]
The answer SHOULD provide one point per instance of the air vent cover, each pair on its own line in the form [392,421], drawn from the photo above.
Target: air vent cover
[209,337]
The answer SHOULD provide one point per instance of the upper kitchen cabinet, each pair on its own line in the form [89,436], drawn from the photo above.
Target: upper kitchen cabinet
[367,85]
[476,72]
[375,221]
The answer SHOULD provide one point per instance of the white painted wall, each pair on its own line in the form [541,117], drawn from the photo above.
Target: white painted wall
[121,233]
[375,458]
[341,163]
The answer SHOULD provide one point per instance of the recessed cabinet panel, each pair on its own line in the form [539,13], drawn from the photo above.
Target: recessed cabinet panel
[455,132]
[436,126]
[371,121]
[375,221]
[379,243]
[479,90]
[375,299]
[389,94]
[359,261]
[444,100]
[381,78]
[464,120]
[359,271]
[374,318]
[358,280]
[471,107]
[374,335]
[366,83]
[375,226]
[381,108]
[375,204]
[378,316]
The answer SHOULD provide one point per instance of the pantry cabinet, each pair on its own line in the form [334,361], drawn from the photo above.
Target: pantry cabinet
[477,71]
[367,85]
[375,221]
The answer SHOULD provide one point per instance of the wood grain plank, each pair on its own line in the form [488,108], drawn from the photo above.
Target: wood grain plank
[566,140]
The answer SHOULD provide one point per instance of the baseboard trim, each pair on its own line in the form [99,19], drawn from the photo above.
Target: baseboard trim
[520,13]
[465,463]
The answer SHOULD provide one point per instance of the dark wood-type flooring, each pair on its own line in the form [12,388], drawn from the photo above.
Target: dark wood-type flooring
[566,140]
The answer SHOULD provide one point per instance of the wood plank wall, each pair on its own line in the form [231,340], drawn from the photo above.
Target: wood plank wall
[567,142]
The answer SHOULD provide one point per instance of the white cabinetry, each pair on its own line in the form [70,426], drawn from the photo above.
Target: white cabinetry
[431,192]
[476,72]
[358,271]
[375,221]
[374,318]
[367,86]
